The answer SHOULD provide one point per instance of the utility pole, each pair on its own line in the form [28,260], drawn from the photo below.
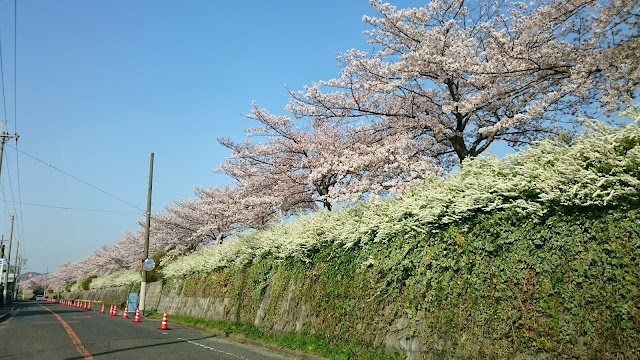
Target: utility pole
[143,283]
[4,136]
[6,275]
[15,272]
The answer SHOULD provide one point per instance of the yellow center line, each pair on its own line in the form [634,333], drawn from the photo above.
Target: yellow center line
[74,338]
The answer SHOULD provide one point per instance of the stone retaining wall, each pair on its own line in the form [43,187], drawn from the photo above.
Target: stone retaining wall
[294,313]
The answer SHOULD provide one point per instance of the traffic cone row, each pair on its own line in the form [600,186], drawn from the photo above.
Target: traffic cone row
[113,311]
[81,304]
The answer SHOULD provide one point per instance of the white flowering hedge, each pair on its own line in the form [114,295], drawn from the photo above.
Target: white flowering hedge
[120,278]
[600,167]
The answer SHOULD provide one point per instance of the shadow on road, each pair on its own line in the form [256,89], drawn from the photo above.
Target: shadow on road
[163,343]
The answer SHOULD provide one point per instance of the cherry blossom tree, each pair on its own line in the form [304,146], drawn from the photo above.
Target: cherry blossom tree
[296,168]
[457,75]
[188,224]
[221,212]
[125,253]
[274,172]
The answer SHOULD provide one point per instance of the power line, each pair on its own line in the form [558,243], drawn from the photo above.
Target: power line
[10,182]
[76,178]
[6,205]
[75,209]
[15,108]
[15,65]
[21,228]
[4,100]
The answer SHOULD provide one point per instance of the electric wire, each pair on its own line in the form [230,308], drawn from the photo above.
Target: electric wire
[77,209]
[15,109]
[4,107]
[8,169]
[18,216]
[76,178]
[4,99]
[15,66]
[6,205]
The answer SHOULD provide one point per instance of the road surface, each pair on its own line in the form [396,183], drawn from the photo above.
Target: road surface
[42,330]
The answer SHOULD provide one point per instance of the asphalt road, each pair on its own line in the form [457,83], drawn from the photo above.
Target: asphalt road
[41,330]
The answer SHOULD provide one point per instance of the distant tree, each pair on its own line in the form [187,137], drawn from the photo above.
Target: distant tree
[37,283]
[457,75]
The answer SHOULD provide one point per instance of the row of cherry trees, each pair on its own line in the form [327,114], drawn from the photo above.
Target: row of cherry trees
[440,84]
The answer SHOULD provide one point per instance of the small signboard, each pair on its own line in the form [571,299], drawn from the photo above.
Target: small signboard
[132,301]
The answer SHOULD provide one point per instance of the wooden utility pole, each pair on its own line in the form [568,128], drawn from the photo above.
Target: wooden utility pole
[143,283]
[15,270]
[4,136]
[6,274]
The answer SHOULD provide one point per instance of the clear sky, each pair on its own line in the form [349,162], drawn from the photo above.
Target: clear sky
[99,85]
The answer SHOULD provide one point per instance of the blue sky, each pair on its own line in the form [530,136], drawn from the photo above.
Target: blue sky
[102,84]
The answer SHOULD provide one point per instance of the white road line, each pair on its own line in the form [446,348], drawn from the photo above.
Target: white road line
[212,349]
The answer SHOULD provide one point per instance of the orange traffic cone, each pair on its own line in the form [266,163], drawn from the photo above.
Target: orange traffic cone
[89,306]
[115,310]
[126,310]
[102,310]
[137,317]
[164,326]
